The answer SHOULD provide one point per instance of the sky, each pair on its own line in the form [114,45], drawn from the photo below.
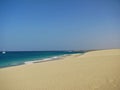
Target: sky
[33,25]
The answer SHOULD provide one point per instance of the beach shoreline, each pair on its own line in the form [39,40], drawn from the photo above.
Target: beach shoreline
[59,57]
[94,70]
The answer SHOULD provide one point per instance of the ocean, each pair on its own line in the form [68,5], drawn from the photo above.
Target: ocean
[14,58]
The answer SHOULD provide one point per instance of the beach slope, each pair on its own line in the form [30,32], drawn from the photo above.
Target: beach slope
[94,70]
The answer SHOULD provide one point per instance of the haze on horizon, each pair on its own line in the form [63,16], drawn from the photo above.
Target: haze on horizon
[59,24]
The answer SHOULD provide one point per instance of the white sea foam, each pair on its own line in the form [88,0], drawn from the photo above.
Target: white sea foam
[43,60]
[29,62]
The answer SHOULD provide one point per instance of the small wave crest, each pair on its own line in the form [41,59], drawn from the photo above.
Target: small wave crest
[43,60]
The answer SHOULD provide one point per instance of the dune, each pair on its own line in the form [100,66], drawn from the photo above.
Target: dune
[94,70]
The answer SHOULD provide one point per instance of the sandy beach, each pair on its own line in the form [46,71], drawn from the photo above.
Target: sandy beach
[94,70]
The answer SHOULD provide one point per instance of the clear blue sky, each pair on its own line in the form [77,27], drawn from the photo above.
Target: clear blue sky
[59,24]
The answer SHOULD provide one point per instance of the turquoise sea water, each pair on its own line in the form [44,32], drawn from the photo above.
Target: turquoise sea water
[27,57]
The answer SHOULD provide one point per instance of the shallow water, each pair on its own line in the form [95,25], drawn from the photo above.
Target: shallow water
[27,57]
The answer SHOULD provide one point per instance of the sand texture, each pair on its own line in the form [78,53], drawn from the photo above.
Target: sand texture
[94,70]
